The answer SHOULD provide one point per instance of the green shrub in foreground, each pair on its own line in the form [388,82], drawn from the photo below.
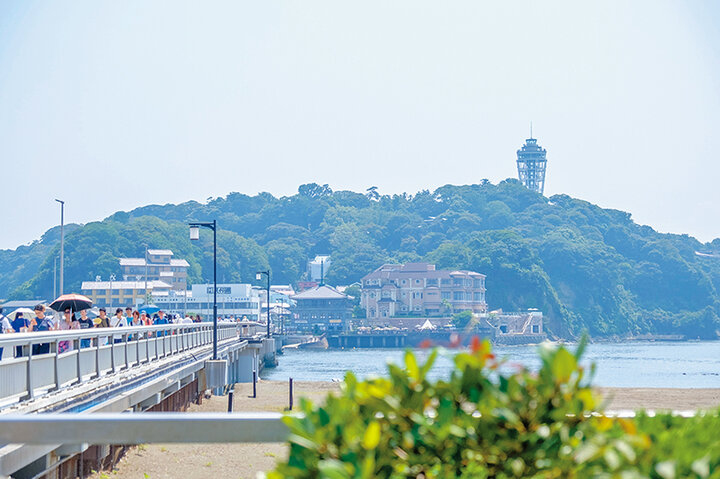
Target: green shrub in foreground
[484,423]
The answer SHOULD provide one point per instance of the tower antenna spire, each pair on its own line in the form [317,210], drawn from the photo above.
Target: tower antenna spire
[531,130]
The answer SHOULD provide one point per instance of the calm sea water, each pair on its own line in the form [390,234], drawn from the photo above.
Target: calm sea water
[631,364]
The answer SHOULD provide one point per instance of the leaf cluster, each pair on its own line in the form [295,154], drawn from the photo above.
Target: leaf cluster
[483,422]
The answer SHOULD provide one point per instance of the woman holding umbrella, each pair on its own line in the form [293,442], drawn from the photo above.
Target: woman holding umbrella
[68,303]
[67,323]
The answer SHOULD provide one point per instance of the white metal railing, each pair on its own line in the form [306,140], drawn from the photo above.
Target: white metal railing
[164,427]
[92,353]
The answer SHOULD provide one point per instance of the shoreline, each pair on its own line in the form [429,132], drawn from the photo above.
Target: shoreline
[162,461]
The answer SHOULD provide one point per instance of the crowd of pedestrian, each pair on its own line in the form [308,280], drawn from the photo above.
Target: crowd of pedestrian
[42,322]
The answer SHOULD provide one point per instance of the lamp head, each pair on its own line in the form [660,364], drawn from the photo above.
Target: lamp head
[258,276]
[194,233]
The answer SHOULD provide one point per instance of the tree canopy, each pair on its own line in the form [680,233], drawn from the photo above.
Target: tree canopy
[585,267]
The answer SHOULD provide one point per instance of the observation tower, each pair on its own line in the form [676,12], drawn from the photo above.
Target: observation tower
[531,164]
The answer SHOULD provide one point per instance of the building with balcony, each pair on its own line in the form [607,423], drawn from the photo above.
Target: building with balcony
[323,308]
[418,289]
[121,294]
[159,265]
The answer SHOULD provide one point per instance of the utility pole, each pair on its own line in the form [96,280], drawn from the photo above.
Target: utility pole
[112,278]
[62,246]
[146,275]
[55,295]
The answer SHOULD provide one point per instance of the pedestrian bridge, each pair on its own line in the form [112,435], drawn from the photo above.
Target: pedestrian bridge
[104,370]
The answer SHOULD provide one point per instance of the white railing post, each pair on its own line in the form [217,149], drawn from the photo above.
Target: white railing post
[56,351]
[76,344]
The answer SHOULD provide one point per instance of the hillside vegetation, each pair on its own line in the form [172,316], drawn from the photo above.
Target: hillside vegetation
[584,266]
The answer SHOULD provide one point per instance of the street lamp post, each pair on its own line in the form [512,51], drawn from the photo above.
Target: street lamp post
[112,278]
[55,295]
[258,276]
[62,245]
[195,235]
[146,302]
[282,315]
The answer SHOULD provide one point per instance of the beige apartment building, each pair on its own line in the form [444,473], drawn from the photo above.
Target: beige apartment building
[121,294]
[160,266]
[418,289]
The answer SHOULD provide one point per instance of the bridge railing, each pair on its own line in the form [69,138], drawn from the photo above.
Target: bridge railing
[164,428]
[47,361]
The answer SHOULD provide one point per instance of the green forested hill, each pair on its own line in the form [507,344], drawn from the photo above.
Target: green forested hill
[584,266]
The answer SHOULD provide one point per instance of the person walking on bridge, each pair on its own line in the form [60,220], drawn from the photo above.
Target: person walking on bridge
[4,328]
[102,320]
[118,321]
[160,320]
[67,323]
[85,323]
[20,324]
[44,324]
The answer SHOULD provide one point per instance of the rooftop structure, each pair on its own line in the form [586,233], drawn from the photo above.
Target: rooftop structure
[160,265]
[418,289]
[531,165]
[317,268]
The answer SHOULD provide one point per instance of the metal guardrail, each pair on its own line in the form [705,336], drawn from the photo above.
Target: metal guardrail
[147,428]
[93,353]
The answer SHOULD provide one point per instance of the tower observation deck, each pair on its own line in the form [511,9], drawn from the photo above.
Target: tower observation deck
[531,164]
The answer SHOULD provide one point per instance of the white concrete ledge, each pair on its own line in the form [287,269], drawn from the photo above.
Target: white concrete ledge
[141,428]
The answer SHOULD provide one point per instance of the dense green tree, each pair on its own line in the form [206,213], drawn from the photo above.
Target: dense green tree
[585,267]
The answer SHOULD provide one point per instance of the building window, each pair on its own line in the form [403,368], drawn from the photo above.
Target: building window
[403,281]
[431,282]
[445,295]
[477,283]
[445,282]
[457,281]
[458,295]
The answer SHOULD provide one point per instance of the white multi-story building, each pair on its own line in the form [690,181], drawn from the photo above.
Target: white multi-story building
[236,300]
[159,266]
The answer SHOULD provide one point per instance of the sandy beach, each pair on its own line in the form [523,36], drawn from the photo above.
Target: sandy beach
[166,461]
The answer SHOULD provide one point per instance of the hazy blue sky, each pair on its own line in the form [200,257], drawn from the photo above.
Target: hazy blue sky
[112,105]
